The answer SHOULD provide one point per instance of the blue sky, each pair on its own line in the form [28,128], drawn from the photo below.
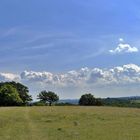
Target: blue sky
[60,36]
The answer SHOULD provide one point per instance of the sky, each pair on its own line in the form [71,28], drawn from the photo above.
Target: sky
[71,47]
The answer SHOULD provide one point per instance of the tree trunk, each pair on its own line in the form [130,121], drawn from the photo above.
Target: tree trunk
[50,103]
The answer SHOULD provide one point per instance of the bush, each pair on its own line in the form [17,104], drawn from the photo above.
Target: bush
[64,104]
[39,104]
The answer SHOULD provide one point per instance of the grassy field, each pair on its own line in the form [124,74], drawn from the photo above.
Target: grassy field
[69,123]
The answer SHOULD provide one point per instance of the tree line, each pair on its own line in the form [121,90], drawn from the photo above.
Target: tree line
[17,94]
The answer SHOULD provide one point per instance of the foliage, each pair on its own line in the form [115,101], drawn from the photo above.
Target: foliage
[48,96]
[22,90]
[121,102]
[9,96]
[65,104]
[99,102]
[40,103]
[89,100]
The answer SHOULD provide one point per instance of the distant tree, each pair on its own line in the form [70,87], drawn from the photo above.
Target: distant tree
[9,96]
[87,99]
[22,90]
[48,96]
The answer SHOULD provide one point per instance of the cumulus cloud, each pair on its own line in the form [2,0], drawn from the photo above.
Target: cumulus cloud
[9,77]
[125,74]
[123,48]
[85,76]
[66,79]
[37,76]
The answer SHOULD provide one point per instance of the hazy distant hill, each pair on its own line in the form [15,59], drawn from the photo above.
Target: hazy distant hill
[71,101]
[75,101]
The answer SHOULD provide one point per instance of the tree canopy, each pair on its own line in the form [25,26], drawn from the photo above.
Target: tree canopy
[12,93]
[89,100]
[22,90]
[9,96]
[48,96]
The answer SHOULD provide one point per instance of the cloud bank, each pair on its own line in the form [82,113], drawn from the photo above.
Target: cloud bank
[125,74]
[85,76]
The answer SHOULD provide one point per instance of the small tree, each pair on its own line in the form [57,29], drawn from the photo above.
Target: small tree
[87,99]
[49,97]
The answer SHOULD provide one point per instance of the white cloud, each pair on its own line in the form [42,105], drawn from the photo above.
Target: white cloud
[37,76]
[123,48]
[118,75]
[9,77]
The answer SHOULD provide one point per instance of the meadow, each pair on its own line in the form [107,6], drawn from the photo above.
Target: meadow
[69,123]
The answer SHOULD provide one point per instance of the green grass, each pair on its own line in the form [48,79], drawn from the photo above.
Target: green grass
[69,123]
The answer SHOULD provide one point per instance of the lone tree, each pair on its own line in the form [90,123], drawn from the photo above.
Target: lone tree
[48,96]
[87,99]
